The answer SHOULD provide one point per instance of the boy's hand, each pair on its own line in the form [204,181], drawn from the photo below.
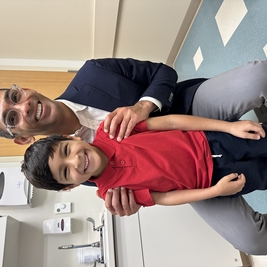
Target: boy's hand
[120,201]
[226,186]
[247,129]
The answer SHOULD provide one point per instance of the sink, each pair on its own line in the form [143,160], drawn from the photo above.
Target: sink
[102,227]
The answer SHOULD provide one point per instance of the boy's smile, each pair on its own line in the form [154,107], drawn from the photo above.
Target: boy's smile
[75,161]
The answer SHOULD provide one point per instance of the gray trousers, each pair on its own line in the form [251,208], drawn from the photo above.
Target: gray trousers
[228,96]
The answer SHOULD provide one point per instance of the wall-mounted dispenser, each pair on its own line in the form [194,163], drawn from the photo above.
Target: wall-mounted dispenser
[15,190]
[57,226]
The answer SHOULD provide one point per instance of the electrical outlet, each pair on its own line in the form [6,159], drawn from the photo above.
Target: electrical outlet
[62,208]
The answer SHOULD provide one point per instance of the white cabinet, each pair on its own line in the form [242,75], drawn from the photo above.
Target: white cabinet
[128,244]
[177,236]
[9,241]
[171,236]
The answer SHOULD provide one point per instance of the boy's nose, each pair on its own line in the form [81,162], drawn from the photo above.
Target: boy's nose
[77,162]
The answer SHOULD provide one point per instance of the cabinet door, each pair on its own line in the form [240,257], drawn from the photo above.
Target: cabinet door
[177,236]
[51,84]
[9,245]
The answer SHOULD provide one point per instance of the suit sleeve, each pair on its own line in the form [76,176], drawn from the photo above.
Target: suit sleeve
[157,79]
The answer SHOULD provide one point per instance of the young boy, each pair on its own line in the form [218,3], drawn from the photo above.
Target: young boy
[157,161]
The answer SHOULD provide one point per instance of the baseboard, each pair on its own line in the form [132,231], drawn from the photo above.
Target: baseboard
[246,262]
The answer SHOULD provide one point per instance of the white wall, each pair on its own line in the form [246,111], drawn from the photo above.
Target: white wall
[52,34]
[36,249]
[147,29]
[60,29]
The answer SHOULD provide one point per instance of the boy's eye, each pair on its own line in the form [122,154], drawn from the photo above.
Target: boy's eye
[66,173]
[66,150]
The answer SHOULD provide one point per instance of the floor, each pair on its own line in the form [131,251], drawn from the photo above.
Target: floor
[224,35]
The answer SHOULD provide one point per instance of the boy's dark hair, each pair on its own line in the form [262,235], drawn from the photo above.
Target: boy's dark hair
[35,166]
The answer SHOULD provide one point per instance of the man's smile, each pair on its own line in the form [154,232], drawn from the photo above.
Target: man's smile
[38,111]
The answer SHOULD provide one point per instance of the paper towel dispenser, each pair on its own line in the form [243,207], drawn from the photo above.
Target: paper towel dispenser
[2,184]
[15,190]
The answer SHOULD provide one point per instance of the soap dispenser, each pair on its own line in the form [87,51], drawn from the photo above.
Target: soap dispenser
[57,226]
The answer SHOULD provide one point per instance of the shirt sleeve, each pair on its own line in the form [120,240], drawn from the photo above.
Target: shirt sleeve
[143,197]
[139,127]
[153,100]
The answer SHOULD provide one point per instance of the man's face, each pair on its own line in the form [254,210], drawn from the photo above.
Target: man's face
[40,115]
[75,161]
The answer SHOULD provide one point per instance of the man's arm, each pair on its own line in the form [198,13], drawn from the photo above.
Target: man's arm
[224,187]
[157,81]
[242,129]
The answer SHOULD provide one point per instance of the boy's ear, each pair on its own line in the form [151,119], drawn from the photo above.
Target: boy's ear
[20,140]
[69,187]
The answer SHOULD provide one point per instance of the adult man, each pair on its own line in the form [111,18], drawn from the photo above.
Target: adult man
[147,88]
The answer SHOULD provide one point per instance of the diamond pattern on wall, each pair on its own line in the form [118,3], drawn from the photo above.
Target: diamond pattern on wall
[234,11]
[265,50]
[198,58]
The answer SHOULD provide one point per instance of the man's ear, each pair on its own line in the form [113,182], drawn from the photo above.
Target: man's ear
[69,187]
[72,137]
[20,140]
[28,89]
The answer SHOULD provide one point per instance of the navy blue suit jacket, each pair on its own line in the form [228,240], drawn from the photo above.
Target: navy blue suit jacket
[111,83]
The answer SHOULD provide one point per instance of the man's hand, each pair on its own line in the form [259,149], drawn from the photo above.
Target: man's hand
[120,201]
[227,186]
[127,117]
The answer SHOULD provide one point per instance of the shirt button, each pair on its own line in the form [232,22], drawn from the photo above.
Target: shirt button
[112,163]
[122,162]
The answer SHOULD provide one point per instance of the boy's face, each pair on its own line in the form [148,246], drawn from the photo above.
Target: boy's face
[75,161]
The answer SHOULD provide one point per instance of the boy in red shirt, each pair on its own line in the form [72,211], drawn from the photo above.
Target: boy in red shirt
[157,161]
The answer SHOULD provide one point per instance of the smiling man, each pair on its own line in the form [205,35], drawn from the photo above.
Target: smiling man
[127,91]
[26,113]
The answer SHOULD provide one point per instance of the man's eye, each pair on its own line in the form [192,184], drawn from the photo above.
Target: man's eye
[15,96]
[12,118]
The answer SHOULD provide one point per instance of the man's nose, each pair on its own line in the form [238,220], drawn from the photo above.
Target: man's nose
[23,108]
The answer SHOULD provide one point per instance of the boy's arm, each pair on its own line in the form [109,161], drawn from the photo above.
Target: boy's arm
[242,129]
[226,186]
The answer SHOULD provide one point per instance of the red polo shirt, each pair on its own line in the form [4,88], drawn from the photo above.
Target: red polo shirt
[154,161]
